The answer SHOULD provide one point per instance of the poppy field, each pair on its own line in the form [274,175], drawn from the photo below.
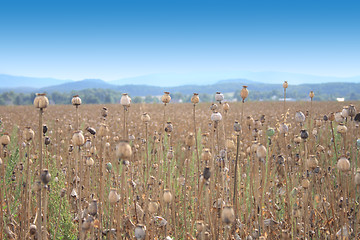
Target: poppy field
[226,170]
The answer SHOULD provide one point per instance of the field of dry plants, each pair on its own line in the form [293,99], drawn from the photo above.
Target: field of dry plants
[245,170]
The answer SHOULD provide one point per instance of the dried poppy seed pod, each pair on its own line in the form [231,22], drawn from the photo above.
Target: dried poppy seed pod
[341,128]
[320,149]
[104,112]
[297,139]
[145,117]
[36,186]
[123,150]
[204,138]
[213,107]
[140,231]
[76,179]
[304,134]
[41,101]
[311,94]
[244,93]
[357,177]
[200,226]
[87,144]
[113,196]
[21,167]
[71,148]
[345,112]
[92,208]
[237,126]
[228,215]
[47,141]
[62,192]
[283,128]
[299,117]
[257,124]
[170,154]
[270,132]
[352,111]
[219,97]
[216,116]
[254,146]
[318,123]
[357,118]
[195,98]
[86,225]
[108,166]
[285,84]
[28,134]
[312,162]
[32,229]
[45,176]
[305,183]
[166,98]
[103,130]
[343,164]
[153,207]
[168,127]
[5,139]
[249,121]
[91,130]
[207,173]
[152,180]
[78,138]
[89,161]
[116,138]
[167,197]
[261,151]
[190,140]
[76,100]
[206,155]
[331,117]
[125,100]
[339,117]
[181,180]
[45,129]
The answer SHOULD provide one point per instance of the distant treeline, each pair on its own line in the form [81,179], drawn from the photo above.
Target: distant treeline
[103,96]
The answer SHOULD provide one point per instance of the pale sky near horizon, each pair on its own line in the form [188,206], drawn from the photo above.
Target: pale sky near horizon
[115,39]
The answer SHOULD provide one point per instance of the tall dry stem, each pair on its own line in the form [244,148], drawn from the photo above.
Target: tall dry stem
[39,206]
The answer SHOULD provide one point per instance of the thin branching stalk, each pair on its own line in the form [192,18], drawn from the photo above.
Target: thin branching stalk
[235,175]
[196,145]
[333,137]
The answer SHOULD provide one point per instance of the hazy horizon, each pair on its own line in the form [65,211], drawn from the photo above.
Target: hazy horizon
[112,40]
[222,75]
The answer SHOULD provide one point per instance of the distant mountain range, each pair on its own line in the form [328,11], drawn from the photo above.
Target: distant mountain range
[30,85]
[206,78]
[143,90]
[18,83]
[138,88]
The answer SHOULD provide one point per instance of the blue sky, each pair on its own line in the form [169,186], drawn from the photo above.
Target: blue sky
[117,39]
